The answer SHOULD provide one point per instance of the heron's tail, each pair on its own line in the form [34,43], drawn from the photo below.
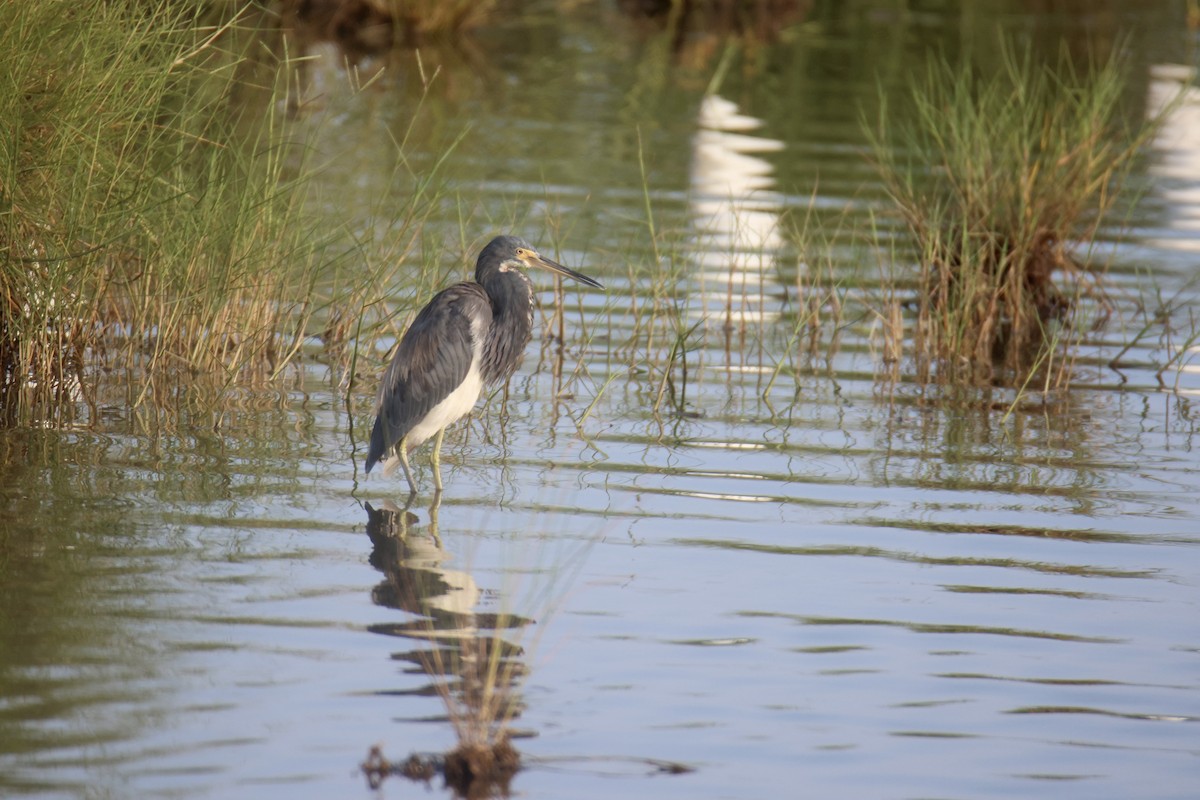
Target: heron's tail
[378,445]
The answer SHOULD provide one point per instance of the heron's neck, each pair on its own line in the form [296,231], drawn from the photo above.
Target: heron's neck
[512,326]
[512,293]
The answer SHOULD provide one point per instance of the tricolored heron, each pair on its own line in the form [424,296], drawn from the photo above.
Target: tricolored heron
[468,336]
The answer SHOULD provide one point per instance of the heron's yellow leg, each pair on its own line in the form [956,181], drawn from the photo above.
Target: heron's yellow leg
[402,451]
[437,460]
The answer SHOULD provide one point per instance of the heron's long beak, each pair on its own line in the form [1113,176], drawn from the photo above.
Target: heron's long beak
[538,260]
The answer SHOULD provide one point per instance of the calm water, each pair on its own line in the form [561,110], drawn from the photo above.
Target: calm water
[773,568]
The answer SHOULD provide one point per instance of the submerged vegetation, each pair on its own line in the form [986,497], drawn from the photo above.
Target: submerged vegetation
[1004,177]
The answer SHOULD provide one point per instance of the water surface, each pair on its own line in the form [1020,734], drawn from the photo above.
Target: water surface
[751,556]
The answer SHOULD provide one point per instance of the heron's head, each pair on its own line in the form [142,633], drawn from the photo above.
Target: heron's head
[512,253]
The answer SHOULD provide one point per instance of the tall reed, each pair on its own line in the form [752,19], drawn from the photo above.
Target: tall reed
[1004,176]
[148,222]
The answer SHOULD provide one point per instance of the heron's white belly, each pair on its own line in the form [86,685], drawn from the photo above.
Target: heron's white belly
[456,406]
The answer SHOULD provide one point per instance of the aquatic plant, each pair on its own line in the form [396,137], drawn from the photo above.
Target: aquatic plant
[1003,177]
[149,225]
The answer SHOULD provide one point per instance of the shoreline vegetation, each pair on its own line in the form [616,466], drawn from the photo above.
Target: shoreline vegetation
[149,228]
[157,221]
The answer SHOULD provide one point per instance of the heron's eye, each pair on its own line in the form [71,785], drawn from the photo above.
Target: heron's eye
[522,252]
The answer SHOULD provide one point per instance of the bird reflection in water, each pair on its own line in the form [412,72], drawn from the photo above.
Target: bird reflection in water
[469,665]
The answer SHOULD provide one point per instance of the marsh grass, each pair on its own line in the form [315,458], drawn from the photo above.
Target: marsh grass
[162,229]
[1169,326]
[829,294]
[149,226]
[1003,178]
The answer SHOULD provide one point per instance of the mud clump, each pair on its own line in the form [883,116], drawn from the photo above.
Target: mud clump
[481,770]
[471,771]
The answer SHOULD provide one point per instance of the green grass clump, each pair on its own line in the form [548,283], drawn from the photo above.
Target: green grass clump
[146,223]
[1001,176]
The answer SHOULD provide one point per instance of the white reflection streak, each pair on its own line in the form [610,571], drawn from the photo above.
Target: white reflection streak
[740,498]
[734,210]
[1177,144]
[729,445]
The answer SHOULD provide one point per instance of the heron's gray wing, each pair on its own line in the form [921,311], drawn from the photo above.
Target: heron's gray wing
[432,359]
